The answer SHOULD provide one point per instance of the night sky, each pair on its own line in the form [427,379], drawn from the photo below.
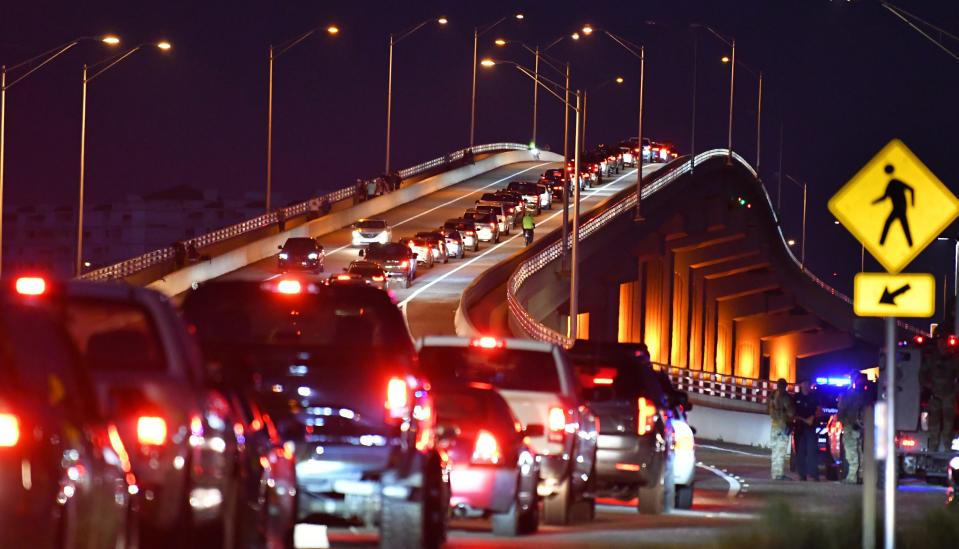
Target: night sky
[841,78]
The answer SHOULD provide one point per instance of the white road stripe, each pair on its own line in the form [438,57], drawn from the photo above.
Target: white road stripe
[731,451]
[734,485]
[412,296]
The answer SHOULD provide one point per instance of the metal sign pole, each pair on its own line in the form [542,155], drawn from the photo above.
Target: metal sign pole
[889,489]
[869,478]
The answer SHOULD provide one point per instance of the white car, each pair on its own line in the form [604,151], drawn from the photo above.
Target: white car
[536,380]
[684,462]
[371,231]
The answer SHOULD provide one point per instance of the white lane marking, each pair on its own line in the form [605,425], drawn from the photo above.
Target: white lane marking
[692,513]
[731,451]
[734,485]
[271,277]
[447,203]
[412,296]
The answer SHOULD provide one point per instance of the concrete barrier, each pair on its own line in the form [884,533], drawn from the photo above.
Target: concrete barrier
[721,419]
[181,280]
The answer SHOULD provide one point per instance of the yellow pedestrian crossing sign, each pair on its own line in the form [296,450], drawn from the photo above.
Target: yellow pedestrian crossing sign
[895,206]
[906,295]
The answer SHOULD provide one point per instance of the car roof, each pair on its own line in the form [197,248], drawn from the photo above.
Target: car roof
[508,343]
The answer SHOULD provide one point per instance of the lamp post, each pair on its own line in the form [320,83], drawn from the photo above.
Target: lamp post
[551,87]
[955,282]
[802,246]
[276,51]
[389,79]
[731,42]
[477,32]
[618,80]
[639,52]
[759,105]
[41,59]
[87,78]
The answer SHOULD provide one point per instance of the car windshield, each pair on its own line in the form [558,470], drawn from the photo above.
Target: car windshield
[514,369]
[241,314]
[371,224]
[473,407]
[608,380]
[300,245]
[114,336]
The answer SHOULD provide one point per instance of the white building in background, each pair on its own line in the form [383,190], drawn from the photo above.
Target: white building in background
[43,237]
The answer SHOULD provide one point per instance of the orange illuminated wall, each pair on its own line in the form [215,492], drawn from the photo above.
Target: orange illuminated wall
[628,328]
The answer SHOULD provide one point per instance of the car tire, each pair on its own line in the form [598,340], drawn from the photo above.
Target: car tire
[529,519]
[557,507]
[684,496]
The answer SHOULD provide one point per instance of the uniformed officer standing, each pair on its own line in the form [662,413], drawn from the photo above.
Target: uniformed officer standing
[781,411]
[851,406]
[807,440]
[938,373]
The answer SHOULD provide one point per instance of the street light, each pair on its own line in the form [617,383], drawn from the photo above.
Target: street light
[477,32]
[618,80]
[731,42]
[802,246]
[42,59]
[275,52]
[87,78]
[442,21]
[759,105]
[551,87]
[638,52]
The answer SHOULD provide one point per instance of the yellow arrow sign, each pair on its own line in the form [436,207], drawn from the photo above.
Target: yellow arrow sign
[906,295]
[895,206]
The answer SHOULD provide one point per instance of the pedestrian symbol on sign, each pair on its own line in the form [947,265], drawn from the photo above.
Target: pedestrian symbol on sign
[896,193]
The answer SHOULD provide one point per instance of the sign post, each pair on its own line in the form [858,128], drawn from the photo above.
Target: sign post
[895,206]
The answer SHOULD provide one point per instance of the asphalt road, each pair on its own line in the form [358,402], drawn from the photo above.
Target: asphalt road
[431,302]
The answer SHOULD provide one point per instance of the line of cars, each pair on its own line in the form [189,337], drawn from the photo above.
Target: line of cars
[261,405]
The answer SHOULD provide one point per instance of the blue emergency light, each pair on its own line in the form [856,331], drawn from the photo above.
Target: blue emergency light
[834,381]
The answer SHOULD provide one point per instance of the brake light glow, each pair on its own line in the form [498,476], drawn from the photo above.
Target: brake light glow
[907,443]
[397,398]
[919,340]
[9,430]
[486,449]
[951,341]
[492,225]
[405,264]
[378,278]
[343,277]
[632,467]
[602,381]
[151,430]
[645,416]
[289,287]
[31,285]
[556,421]
[487,342]
[117,444]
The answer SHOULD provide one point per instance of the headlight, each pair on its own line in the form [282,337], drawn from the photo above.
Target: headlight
[383,237]
[356,232]
[284,256]
[313,256]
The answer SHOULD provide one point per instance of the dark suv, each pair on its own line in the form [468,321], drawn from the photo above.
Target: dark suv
[397,260]
[302,254]
[334,366]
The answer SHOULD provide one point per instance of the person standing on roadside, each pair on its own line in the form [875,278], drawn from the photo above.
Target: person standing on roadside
[807,441]
[851,405]
[781,411]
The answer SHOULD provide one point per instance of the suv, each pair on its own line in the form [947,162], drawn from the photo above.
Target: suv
[645,447]
[504,220]
[467,230]
[555,179]
[487,227]
[301,253]
[535,195]
[438,240]
[371,231]
[537,382]
[422,249]
[334,367]
[63,469]
[397,260]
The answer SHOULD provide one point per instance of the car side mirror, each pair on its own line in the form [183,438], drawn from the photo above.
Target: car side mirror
[534,430]
[362,253]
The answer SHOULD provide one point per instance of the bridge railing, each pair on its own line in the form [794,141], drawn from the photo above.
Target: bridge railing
[155,257]
[706,383]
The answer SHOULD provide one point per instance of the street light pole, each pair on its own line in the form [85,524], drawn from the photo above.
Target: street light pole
[639,142]
[473,100]
[574,270]
[732,88]
[3,120]
[389,104]
[759,118]
[535,94]
[566,180]
[269,137]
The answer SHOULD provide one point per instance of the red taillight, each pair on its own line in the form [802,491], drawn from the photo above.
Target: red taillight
[405,264]
[602,381]
[343,277]
[487,342]
[289,287]
[470,233]
[907,443]
[951,341]
[492,225]
[31,285]
[151,430]
[486,449]
[9,430]
[397,398]
[378,278]
[919,340]
[645,416]
[556,421]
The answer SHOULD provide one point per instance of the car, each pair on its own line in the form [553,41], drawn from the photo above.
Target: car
[535,195]
[636,453]
[422,249]
[628,155]
[362,272]
[396,260]
[555,178]
[467,229]
[493,471]
[658,152]
[64,471]
[537,382]
[487,227]
[513,202]
[371,231]
[496,204]
[335,369]
[438,242]
[455,242]
[177,423]
[301,253]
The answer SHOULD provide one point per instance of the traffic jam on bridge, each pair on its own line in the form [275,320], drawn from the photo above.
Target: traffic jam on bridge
[582,339]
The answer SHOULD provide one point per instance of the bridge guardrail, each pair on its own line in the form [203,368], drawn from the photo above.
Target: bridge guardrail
[707,383]
[133,265]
